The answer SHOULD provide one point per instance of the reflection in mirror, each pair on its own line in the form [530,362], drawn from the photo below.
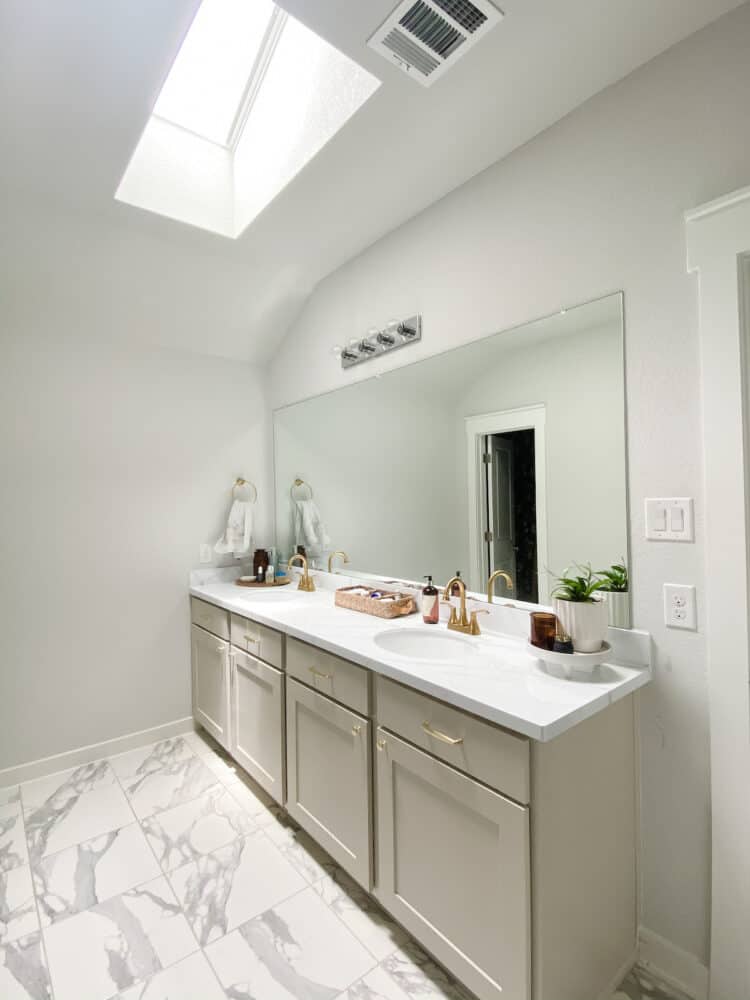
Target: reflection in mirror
[506,454]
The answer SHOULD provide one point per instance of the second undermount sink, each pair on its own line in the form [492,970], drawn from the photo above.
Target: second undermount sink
[273,594]
[421,644]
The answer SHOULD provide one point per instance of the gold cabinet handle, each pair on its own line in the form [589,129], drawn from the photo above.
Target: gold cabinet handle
[255,639]
[382,744]
[356,730]
[221,648]
[443,737]
[319,673]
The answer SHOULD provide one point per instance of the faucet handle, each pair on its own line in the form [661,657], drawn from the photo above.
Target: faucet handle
[474,626]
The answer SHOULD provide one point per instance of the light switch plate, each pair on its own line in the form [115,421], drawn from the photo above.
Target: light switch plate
[670,519]
[206,555]
[679,606]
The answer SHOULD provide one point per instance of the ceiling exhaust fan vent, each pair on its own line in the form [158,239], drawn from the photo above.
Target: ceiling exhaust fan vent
[426,37]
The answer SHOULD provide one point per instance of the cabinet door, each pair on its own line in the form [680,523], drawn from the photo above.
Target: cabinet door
[258,721]
[453,868]
[328,777]
[210,667]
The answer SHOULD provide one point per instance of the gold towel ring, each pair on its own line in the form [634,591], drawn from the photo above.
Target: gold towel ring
[296,485]
[239,482]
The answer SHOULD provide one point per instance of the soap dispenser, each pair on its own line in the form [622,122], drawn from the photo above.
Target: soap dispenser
[430,603]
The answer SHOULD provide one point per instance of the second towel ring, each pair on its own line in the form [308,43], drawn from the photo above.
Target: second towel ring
[301,483]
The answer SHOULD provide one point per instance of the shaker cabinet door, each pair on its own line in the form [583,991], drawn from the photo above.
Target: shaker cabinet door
[258,721]
[210,660]
[328,777]
[453,868]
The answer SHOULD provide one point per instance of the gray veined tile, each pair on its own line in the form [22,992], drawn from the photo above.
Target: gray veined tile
[79,877]
[226,770]
[13,852]
[296,951]
[125,940]
[61,786]
[223,889]
[358,910]
[75,812]
[201,743]
[257,803]
[180,780]
[300,850]
[187,832]
[191,979]
[416,975]
[10,795]
[23,971]
[146,760]
[18,917]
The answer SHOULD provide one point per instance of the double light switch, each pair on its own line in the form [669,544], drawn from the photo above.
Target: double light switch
[670,519]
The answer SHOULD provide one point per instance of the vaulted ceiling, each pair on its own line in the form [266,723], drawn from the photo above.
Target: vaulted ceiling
[78,79]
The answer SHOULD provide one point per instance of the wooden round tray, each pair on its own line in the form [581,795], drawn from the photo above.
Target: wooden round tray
[280,582]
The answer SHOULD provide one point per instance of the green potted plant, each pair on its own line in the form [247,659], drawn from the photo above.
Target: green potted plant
[616,590]
[580,611]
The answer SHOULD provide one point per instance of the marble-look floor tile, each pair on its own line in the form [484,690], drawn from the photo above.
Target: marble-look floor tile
[191,979]
[145,760]
[298,950]
[416,975]
[13,852]
[23,970]
[358,910]
[189,831]
[181,780]
[10,794]
[64,784]
[79,877]
[300,850]
[226,770]
[125,940]
[223,889]
[201,743]
[18,917]
[71,816]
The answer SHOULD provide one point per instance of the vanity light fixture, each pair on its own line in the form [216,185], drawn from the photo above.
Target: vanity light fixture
[395,334]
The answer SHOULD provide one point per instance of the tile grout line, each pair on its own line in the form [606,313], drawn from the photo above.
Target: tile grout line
[42,941]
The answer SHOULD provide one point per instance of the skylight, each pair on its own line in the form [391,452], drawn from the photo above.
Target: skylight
[251,97]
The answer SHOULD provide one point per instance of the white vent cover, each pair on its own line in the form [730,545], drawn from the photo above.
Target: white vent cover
[426,37]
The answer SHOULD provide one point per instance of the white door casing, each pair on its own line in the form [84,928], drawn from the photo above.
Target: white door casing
[718,242]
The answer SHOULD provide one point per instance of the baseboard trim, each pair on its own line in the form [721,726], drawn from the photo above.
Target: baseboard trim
[85,755]
[674,966]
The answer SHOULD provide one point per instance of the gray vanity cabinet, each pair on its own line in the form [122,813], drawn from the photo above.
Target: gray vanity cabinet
[210,670]
[257,705]
[453,867]
[328,777]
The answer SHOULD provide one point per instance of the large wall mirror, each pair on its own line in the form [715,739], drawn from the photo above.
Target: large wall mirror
[507,453]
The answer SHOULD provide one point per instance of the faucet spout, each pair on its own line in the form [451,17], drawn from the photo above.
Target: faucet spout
[491,583]
[344,559]
[458,622]
[306,582]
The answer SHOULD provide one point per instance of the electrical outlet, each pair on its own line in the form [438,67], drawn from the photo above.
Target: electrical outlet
[206,555]
[679,606]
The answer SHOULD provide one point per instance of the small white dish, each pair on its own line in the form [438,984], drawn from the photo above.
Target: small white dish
[579,662]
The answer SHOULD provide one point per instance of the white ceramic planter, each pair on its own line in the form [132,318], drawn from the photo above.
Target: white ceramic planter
[618,605]
[585,622]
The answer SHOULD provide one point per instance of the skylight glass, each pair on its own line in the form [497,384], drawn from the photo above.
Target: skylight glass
[252,96]
[206,84]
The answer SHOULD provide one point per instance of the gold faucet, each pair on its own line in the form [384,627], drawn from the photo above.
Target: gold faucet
[306,582]
[333,555]
[491,583]
[460,622]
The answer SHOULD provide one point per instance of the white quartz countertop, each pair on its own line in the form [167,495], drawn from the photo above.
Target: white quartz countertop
[499,681]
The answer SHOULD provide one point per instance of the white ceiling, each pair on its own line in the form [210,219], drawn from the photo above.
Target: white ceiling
[77,83]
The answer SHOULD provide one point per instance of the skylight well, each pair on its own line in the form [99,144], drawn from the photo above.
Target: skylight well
[250,99]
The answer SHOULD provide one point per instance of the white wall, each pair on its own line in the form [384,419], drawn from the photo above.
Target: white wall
[117,463]
[593,205]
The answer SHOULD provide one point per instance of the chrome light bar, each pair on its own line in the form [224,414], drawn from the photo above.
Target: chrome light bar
[396,334]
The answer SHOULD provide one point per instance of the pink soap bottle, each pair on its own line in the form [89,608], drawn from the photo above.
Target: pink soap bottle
[430,603]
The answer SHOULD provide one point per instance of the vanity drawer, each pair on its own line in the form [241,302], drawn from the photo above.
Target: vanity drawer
[493,755]
[263,642]
[329,674]
[209,617]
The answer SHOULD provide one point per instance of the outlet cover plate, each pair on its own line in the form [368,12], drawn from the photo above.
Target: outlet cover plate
[680,606]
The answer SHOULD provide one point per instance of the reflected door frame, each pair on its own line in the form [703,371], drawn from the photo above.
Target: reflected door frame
[718,244]
[522,418]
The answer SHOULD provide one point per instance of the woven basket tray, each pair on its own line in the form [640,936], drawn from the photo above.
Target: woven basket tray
[403,605]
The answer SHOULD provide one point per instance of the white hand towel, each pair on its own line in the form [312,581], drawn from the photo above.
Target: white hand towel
[237,537]
[308,525]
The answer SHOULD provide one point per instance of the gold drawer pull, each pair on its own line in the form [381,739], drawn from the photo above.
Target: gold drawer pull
[255,639]
[382,744]
[356,730]
[319,673]
[443,737]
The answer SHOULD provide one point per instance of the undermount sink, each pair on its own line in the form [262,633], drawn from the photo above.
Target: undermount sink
[273,594]
[420,644]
